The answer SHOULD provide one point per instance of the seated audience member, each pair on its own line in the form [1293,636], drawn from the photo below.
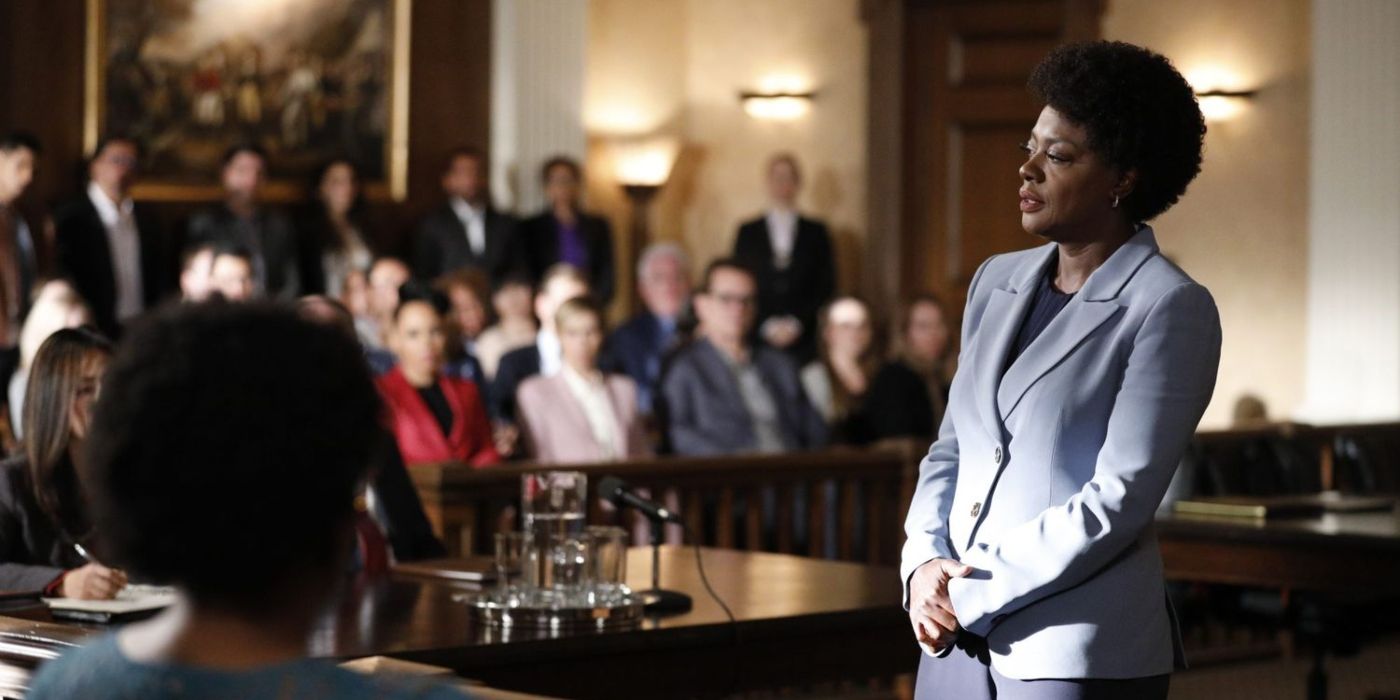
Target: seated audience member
[195,264]
[242,220]
[791,256]
[43,514]
[231,274]
[435,417]
[466,290]
[107,244]
[465,232]
[56,306]
[515,325]
[256,538]
[907,396]
[639,346]
[564,233]
[457,363]
[390,497]
[580,415]
[838,382]
[724,394]
[385,277]
[333,229]
[560,284]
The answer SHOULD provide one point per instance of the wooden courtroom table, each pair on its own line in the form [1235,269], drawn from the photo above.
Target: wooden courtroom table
[1336,554]
[800,622]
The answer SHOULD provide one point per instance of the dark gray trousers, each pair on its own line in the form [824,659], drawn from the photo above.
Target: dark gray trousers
[966,674]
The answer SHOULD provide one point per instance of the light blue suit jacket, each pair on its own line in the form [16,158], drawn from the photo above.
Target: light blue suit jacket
[1045,479]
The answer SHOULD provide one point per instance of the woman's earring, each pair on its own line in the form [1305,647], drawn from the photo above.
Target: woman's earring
[1115,201]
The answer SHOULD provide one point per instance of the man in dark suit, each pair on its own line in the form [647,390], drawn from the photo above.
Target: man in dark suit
[560,284]
[19,153]
[564,233]
[637,347]
[242,220]
[107,244]
[791,255]
[466,231]
[723,394]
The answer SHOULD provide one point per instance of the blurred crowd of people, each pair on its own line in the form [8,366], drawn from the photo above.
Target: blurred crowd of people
[490,339]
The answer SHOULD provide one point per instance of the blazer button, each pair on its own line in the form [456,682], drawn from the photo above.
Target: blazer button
[996,456]
[976,508]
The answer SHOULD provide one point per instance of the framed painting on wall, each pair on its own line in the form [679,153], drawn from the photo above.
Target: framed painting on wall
[306,80]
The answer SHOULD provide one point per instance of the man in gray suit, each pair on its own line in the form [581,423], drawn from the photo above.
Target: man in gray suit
[723,395]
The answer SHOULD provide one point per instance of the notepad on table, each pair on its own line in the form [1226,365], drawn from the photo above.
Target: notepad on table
[134,601]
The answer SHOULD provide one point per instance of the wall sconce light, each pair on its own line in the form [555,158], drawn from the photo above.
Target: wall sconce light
[1220,91]
[777,106]
[779,98]
[1220,105]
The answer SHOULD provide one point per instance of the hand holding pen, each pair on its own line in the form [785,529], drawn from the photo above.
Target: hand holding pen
[92,581]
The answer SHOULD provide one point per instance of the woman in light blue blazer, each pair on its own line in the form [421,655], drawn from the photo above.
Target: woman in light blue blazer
[1031,568]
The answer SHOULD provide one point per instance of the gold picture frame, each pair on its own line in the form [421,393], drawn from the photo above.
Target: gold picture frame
[387,182]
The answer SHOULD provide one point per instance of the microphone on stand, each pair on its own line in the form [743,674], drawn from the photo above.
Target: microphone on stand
[657,599]
[617,491]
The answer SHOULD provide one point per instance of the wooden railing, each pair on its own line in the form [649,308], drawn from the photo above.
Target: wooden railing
[866,492]
[869,490]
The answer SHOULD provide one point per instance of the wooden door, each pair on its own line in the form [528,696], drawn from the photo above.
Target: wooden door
[963,111]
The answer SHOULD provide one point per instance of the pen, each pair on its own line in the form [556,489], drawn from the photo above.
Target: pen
[83,553]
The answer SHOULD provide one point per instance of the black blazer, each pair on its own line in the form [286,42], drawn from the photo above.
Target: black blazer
[315,237]
[84,255]
[800,289]
[400,510]
[441,245]
[539,249]
[33,552]
[515,367]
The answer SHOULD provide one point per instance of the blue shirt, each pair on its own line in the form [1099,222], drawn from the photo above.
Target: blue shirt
[99,671]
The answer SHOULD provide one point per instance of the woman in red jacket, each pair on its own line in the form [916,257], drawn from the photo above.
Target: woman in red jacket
[434,417]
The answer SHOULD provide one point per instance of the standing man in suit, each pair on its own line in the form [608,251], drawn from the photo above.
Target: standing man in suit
[565,233]
[791,256]
[638,347]
[466,231]
[242,220]
[723,394]
[107,244]
[19,153]
[1031,568]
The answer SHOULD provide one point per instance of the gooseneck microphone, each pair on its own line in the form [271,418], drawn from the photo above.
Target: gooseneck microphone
[617,491]
[656,600]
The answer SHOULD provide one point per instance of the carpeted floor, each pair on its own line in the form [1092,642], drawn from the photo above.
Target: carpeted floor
[1374,674]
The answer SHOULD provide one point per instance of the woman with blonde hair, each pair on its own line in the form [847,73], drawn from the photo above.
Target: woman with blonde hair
[579,414]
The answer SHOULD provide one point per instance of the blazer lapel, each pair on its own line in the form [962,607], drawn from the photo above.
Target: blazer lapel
[620,421]
[1001,320]
[425,424]
[455,402]
[1094,304]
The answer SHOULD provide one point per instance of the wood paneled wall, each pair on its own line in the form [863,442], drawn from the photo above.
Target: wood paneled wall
[41,90]
[948,106]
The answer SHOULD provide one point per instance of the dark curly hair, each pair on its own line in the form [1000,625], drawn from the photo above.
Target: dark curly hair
[227,449]
[1139,112]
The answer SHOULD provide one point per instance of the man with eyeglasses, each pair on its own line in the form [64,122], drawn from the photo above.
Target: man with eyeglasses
[108,245]
[723,394]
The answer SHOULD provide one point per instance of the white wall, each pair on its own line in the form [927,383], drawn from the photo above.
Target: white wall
[1353,348]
